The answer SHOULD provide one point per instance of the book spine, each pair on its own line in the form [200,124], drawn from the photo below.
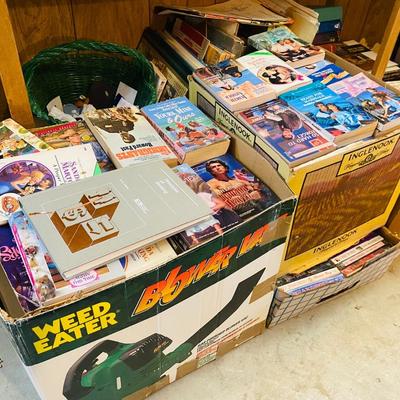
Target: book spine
[317,285]
[311,279]
[361,254]
[356,249]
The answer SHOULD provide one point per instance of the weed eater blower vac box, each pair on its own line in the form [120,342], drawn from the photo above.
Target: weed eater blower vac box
[133,338]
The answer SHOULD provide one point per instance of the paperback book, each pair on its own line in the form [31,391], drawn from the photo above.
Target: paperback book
[312,281]
[44,276]
[292,135]
[73,134]
[324,72]
[344,118]
[127,136]
[24,175]
[234,86]
[376,100]
[188,131]
[223,216]
[286,45]
[149,257]
[18,141]
[278,75]
[241,191]
[14,268]
[362,262]
[89,223]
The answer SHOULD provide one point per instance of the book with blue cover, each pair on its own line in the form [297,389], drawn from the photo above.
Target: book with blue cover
[324,72]
[379,102]
[345,119]
[241,190]
[187,130]
[291,134]
[233,85]
[286,45]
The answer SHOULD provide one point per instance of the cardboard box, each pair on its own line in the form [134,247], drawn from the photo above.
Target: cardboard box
[286,306]
[343,195]
[135,337]
[394,219]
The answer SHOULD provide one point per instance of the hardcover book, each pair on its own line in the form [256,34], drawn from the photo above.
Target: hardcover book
[188,131]
[324,72]
[234,86]
[128,137]
[286,45]
[190,37]
[345,119]
[292,135]
[278,75]
[14,268]
[24,175]
[44,276]
[90,223]
[376,100]
[74,134]
[241,191]
[223,216]
[17,141]
[148,258]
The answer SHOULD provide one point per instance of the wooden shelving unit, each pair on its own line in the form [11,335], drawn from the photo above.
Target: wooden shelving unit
[82,20]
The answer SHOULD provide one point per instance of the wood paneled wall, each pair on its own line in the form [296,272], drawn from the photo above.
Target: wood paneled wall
[40,24]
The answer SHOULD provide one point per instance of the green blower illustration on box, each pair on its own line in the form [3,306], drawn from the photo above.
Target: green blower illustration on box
[131,367]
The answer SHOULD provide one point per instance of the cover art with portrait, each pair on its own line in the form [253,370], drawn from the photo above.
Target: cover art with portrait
[273,71]
[24,175]
[329,110]
[290,133]
[73,134]
[236,185]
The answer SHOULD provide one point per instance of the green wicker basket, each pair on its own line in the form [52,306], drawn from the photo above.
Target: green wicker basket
[68,71]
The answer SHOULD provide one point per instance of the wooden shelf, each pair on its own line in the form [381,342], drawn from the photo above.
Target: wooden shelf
[40,24]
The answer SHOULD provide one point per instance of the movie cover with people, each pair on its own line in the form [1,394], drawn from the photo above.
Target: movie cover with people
[290,133]
[223,216]
[14,268]
[241,191]
[34,173]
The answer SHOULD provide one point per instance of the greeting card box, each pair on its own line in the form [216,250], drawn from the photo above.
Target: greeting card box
[131,339]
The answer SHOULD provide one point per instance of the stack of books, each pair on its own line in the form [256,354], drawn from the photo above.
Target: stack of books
[74,224]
